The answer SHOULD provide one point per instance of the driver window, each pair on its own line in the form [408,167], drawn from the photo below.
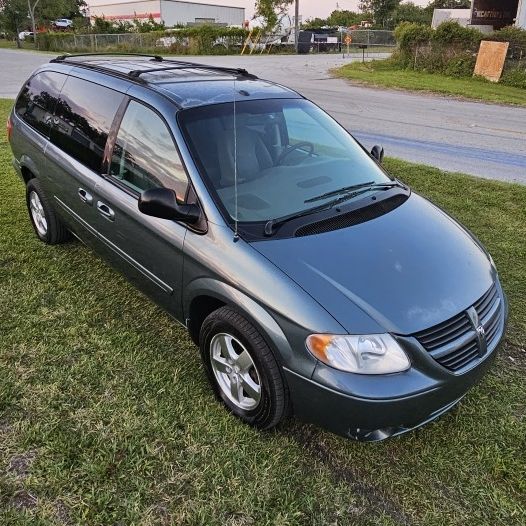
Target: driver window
[144,155]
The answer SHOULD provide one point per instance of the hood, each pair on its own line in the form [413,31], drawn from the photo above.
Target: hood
[407,270]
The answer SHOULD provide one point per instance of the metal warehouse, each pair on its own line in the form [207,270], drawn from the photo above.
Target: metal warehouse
[171,12]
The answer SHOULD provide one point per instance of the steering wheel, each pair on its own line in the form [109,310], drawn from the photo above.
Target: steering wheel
[293,147]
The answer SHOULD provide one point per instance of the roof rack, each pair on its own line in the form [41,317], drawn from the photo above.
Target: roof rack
[62,58]
[192,65]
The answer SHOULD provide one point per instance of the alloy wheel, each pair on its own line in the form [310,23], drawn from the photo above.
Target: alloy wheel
[235,371]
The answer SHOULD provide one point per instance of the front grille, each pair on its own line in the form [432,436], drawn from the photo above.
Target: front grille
[454,344]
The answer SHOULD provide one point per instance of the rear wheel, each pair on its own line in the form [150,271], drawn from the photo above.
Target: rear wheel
[47,225]
[243,372]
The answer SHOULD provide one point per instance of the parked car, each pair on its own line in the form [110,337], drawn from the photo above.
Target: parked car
[313,282]
[63,23]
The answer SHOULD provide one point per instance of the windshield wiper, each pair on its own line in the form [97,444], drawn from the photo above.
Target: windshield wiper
[271,223]
[348,194]
[371,185]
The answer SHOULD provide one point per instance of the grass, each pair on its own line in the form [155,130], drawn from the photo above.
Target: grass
[382,73]
[11,44]
[106,416]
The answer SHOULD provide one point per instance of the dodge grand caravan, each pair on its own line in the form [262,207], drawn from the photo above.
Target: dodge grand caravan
[313,282]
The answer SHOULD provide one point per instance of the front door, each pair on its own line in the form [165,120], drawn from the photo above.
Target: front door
[148,250]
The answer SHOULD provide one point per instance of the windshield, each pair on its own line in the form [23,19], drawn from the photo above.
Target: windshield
[290,154]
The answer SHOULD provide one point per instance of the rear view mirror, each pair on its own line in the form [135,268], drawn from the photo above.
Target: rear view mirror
[162,203]
[378,153]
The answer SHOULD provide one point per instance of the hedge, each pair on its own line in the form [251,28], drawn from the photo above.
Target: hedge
[192,40]
[452,50]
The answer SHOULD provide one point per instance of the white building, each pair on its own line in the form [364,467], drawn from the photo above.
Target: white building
[171,12]
[461,16]
[521,14]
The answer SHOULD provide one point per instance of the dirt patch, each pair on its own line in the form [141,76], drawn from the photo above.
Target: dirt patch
[376,500]
[23,500]
[62,513]
[20,465]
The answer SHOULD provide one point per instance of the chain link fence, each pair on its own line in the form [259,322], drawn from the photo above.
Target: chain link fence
[367,40]
[370,41]
[171,42]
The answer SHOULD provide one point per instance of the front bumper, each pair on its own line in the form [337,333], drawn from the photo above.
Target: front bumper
[372,408]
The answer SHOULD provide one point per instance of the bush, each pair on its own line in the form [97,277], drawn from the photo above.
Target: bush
[208,40]
[453,34]
[515,36]
[514,77]
[450,49]
[409,35]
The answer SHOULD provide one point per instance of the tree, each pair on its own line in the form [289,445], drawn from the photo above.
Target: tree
[13,17]
[271,11]
[448,4]
[314,23]
[345,18]
[382,10]
[409,12]
[38,12]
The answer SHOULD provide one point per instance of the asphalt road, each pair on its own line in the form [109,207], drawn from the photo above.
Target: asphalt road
[485,140]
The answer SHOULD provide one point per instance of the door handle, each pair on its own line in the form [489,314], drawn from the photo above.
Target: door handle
[85,197]
[105,211]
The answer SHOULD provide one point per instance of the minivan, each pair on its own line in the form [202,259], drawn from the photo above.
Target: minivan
[313,282]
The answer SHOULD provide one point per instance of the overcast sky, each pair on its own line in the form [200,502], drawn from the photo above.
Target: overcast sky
[308,8]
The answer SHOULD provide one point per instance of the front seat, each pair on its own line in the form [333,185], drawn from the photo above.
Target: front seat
[252,153]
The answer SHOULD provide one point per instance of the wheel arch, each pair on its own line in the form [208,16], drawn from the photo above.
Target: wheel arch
[205,295]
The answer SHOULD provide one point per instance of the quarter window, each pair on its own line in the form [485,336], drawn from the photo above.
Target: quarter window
[83,117]
[144,155]
[37,100]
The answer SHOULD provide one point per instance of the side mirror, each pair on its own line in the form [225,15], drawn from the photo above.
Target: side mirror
[162,203]
[378,153]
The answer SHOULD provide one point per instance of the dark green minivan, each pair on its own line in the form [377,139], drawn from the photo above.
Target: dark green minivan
[313,282]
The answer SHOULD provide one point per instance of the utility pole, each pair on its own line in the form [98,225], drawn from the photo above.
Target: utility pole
[297,25]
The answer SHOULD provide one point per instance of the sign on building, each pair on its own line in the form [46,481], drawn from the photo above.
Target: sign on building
[498,14]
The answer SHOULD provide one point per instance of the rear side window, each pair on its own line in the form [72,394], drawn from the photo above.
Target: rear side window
[145,155]
[37,100]
[82,121]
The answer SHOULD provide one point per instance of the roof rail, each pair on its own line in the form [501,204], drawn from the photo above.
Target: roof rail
[136,73]
[62,58]
[192,65]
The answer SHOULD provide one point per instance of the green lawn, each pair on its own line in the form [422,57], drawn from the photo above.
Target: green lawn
[106,416]
[11,44]
[383,74]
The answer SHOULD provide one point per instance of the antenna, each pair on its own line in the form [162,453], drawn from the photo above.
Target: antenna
[236,233]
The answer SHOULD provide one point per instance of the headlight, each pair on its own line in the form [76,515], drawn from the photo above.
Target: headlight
[361,354]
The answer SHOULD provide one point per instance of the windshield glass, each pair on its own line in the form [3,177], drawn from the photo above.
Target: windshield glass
[289,155]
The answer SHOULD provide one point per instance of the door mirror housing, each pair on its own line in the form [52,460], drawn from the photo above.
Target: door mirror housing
[378,153]
[162,203]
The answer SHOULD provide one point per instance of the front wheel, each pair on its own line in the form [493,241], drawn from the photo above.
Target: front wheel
[243,372]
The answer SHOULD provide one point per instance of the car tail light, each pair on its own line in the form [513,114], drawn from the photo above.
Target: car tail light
[9,128]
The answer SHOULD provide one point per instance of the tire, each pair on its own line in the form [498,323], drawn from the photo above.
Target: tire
[47,225]
[224,331]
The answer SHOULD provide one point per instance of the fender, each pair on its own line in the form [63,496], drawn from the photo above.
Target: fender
[301,362]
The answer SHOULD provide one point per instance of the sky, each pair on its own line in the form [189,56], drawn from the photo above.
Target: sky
[308,8]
